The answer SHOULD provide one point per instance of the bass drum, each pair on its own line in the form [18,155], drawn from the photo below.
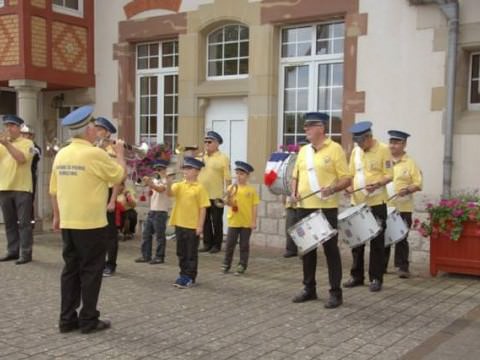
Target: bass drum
[281,185]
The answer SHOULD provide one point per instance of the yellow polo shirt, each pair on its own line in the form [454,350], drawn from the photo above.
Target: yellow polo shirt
[80,176]
[15,176]
[405,173]
[377,164]
[330,163]
[214,173]
[190,197]
[245,199]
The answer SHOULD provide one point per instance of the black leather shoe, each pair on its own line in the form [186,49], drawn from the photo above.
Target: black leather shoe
[375,285]
[214,250]
[289,254]
[141,259]
[22,261]
[68,327]
[403,274]
[334,301]
[101,325]
[9,257]
[305,295]
[350,283]
[205,249]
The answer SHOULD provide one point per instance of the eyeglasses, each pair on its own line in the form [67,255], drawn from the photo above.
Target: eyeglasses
[208,141]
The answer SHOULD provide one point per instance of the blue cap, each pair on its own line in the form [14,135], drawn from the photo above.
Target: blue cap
[243,166]
[214,136]
[189,161]
[315,117]
[361,128]
[161,164]
[106,124]
[12,119]
[398,135]
[78,118]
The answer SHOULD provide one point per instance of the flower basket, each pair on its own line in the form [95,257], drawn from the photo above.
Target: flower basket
[460,256]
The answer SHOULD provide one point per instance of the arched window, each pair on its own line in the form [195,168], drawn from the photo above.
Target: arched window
[227,52]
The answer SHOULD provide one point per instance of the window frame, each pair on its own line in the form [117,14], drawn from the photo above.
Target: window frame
[472,106]
[313,62]
[2,3]
[68,11]
[160,73]
[238,58]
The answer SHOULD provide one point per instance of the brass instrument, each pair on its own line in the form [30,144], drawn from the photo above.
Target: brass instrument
[227,197]
[137,150]
[5,136]
[188,151]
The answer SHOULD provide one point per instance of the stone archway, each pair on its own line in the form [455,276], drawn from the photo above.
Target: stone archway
[137,6]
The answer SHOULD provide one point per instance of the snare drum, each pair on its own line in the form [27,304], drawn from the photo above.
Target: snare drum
[311,231]
[283,169]
[396,229]
[358,225]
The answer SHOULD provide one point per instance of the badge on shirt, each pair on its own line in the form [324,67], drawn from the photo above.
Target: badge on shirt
[327,160]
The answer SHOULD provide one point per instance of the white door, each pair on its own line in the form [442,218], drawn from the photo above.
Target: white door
[228,117]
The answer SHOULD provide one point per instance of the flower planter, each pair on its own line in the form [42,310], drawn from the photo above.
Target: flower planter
[461,256]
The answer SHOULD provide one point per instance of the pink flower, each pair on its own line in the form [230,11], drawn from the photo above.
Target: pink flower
[430,205]
[472,205]
[458,212]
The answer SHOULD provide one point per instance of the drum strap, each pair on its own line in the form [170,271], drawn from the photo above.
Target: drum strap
[312,174]
[359,173]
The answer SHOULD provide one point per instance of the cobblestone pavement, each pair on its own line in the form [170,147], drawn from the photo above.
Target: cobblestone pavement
[225,316]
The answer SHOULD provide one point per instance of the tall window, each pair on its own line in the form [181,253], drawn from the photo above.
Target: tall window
[474,82]
[2,3]
[157,94]
[69,7]
[311,68]
[228,52]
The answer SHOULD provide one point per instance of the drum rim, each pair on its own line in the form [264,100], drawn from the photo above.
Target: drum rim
[356,207]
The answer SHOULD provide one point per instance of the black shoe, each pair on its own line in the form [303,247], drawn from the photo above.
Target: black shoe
[352,283]
[289,254]
[68,327]
[214,250]
[305,295]
[22,261]
[101,325]
[9,257]
[375,285]
[141,259]
[157,260]
[107,272]
[205,249]
[334,301]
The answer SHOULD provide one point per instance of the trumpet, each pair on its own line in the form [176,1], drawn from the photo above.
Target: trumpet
[138,150]
[188,151]
[227,198]
[5,136]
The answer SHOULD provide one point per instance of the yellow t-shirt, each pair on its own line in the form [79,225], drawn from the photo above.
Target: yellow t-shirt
[15,176]
[121,198]
[245,200]
[80,176]
[330,163]
[405,173]
[214,173]
[377,164]
[189,197]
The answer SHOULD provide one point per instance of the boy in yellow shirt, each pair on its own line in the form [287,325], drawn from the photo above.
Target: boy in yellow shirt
[188,216]
[242,217]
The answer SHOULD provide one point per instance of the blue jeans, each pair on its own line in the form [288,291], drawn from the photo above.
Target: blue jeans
[156,223]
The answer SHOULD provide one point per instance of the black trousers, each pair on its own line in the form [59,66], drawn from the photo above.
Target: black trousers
[290,220]
[16,208]
[213,227]
[81,279]
[234,234]
[377,250]
[129,221]
[187,251]
[112,238]
[401,247]
[331,251]
[112,241]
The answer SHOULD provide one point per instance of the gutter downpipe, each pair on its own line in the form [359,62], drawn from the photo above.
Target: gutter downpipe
[450,9]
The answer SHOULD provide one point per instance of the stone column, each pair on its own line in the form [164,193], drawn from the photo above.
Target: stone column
[28,108]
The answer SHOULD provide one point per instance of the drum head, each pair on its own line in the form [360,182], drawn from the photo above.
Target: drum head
[350,211]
